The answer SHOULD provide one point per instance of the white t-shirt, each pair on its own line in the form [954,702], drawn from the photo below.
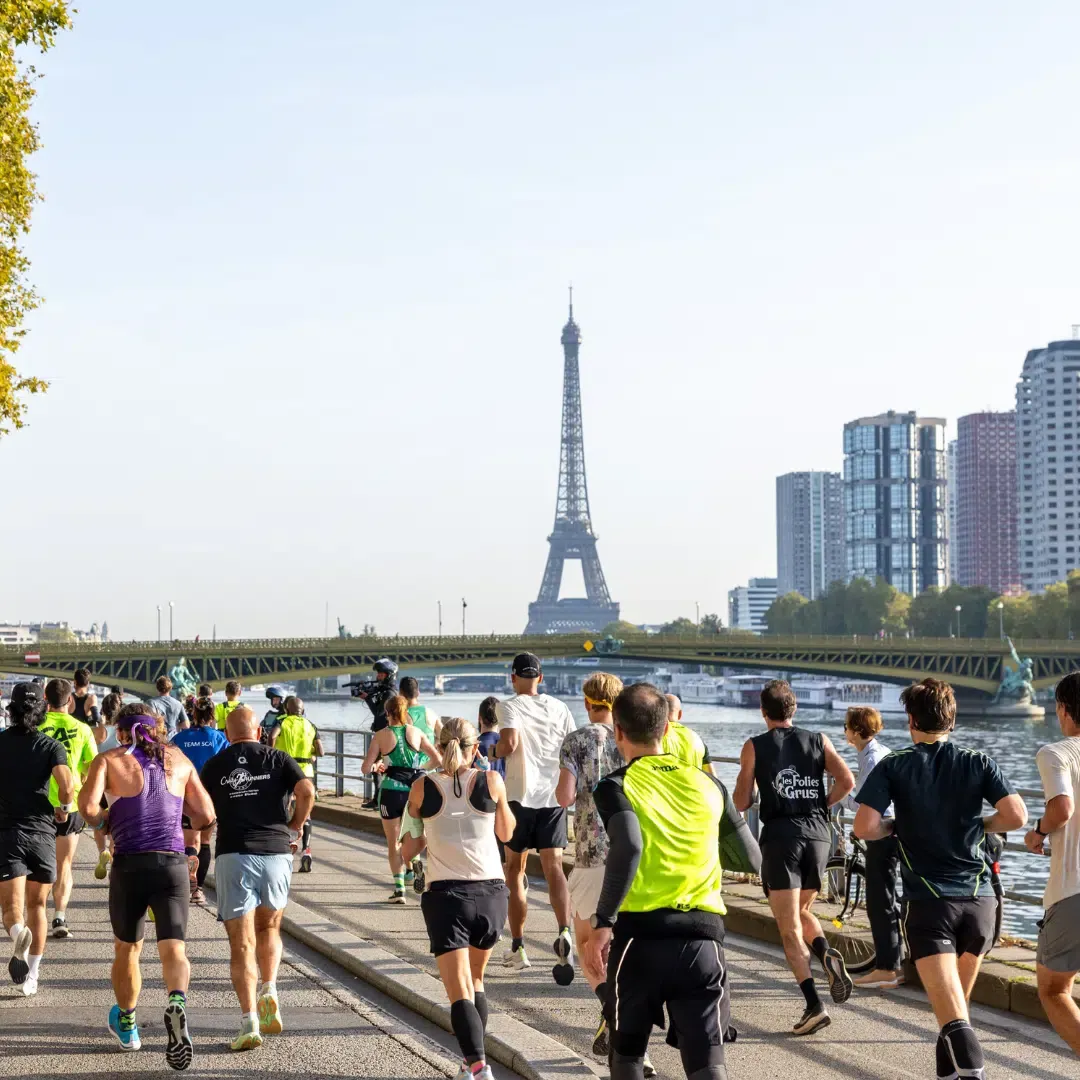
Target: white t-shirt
[532,770]
[1059,768]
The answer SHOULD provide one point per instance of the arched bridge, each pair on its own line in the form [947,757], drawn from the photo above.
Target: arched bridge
[975,664]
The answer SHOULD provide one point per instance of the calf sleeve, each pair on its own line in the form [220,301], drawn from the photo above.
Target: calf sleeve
[468,1030]
[959,1055]
[204,864]
[480,1001]
[625,1067]
[305,836]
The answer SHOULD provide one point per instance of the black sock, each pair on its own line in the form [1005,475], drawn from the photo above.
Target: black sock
[809,991]
[959,1052]
[818,947]
[204,865]
[480,1001]
[516,943]
[468,1030]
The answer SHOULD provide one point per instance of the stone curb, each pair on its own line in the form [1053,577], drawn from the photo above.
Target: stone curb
[998,986]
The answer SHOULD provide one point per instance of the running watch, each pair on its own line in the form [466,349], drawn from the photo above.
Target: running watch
[67,807]
[600,922]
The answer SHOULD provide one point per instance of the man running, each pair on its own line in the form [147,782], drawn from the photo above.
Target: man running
[275,695]
[168,706]
[232,701]
[671,830]
[789,764]
[937,790]
[29,763]
[147,784]
[81,746]
[589,754]
[420,716]
[251,786]
[681,742]
[84,704]
[298,737]
[532,727]
[1057,960]
[200,743]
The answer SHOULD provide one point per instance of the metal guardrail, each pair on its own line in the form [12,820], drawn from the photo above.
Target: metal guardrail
[339,757]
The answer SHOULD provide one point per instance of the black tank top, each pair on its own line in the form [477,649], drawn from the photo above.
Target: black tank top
[79,707]
[789,767]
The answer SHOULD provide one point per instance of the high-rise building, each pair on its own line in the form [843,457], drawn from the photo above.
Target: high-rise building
[894,500]
[747,604]
[985,549]
[1048,444]
[809,532]
[952,531]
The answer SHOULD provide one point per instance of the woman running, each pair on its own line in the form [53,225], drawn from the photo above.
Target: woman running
[405,751]
[458,813]
[110,707]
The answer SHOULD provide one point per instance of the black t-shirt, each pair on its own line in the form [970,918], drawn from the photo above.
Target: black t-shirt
[938,791]
[27,759]
[250,785]
[789,767]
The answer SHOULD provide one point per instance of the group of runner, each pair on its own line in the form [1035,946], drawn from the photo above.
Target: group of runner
[152,785]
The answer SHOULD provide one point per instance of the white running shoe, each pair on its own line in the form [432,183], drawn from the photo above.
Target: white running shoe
[465,1074]
[516,958]
[19,964]
[29,986]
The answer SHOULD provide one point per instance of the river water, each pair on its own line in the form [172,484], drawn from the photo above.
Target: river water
[1011,743]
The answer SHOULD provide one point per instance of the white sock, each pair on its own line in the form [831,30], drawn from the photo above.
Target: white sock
[15,931]
[268,988]
[35,963]
[251,1020]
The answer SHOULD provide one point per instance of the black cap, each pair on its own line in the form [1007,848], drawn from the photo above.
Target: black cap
[25,693]
[526,665]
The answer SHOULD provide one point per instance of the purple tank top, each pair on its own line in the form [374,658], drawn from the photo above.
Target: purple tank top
[149,821]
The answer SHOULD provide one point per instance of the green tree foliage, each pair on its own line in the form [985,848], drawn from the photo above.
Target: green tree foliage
[933,612]
[861,607]
[620,628]
[711,624]
[782,613]
[681,625]
[22,23]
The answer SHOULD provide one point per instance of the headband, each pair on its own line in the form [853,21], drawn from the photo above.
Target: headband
[598,704]
[136,727]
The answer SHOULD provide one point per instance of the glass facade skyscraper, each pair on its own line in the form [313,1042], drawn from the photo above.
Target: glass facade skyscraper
[895,500]
[809,532]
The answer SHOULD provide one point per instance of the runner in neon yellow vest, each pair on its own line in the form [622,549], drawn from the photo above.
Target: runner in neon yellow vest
[298,737]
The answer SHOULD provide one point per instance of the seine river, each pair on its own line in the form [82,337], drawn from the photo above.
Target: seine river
[1012,744]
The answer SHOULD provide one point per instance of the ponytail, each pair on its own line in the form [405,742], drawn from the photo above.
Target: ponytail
[397,710]
[456,737]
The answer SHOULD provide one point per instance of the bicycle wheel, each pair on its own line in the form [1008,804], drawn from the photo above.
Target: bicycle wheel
[847,877]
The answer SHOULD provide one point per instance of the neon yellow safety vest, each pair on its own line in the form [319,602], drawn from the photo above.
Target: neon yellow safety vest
[296,737]
[78,740]
[679,808]
[686,745]
[221,712]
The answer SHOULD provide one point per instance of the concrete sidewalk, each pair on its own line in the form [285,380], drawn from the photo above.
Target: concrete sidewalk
[62,1031]
[880,1036]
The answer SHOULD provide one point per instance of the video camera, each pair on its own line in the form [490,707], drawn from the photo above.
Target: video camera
[364,686]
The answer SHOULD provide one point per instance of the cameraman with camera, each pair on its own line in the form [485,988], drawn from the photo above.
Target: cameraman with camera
[376,692]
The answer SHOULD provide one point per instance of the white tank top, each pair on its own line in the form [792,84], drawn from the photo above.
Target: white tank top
[461,839]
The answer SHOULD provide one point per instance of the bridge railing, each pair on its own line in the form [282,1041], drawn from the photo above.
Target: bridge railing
[332,766]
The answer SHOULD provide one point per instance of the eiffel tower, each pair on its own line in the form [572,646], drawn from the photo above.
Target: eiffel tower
[573,536]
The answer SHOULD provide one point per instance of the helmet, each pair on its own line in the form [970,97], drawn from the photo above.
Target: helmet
[275,691]
[385,666]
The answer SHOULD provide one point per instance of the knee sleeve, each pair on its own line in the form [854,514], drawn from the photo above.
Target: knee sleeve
[204,864]
[959,1053]
[468,1030]
[305,837]
[480,1002]
[627,1066]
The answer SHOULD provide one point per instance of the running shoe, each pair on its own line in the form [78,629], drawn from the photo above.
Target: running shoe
[563,971]
[417,872]
[880,980]
[601,1044]
[60,928]
[815,1017]
[370,804]
[648,1068]
[248,1039]
[102,868]
[836,973]
[125,1029]
[198,896]
[466,1073]
[397,897]
[269,1014]
[178,1050]
[29,988]
[305,861]
[516,958]
[19,966]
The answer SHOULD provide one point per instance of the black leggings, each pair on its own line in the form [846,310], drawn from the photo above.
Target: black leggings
[157,880]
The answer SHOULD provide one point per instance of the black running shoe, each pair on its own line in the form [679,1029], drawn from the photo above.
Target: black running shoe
[836,972]
[178,1051]
[815,1017]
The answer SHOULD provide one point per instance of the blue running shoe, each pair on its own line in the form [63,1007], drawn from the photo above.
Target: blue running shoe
[123,1026]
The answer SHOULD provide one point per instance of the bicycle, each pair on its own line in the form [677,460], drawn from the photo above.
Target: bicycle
[846,885]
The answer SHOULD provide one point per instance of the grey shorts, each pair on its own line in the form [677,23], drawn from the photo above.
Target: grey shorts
[1059,936]
[245,882]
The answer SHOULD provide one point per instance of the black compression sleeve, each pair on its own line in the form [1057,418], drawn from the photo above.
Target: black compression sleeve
[95,715]
[624,855]
[739,850]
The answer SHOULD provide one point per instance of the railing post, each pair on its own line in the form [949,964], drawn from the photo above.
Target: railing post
[369,781]
[339,764]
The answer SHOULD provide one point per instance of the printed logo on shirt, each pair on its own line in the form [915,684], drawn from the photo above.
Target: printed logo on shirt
[240,780]
[791,784]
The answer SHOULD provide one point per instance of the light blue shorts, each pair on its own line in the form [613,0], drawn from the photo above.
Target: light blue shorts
[245,882]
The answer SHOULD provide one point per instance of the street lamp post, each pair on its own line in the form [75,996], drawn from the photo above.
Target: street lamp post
[171,638]
[440,618]
[463,607]
[159,622]
[957,620]
[1001,619]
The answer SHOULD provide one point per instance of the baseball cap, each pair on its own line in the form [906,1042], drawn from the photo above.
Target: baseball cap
[526,665]
[25,693]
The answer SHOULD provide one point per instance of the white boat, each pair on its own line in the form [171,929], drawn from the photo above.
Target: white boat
[881,696]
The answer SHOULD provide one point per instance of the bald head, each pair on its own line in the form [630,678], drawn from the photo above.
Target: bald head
[674,707]
[241,725]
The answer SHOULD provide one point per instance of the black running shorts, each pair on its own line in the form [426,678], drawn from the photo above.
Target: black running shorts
[793,863]
[72,827]
[31,855]
[463,913]
[157,880]
[944,925]
[392,804]
[537,830]
[689,976]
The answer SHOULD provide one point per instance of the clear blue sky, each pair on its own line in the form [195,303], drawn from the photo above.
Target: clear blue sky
[305,271]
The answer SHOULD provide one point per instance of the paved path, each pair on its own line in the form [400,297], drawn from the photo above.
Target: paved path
[331,1030]
[880,1036]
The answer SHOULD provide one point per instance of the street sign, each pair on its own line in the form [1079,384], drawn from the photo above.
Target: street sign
[589,646]
[32,658]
